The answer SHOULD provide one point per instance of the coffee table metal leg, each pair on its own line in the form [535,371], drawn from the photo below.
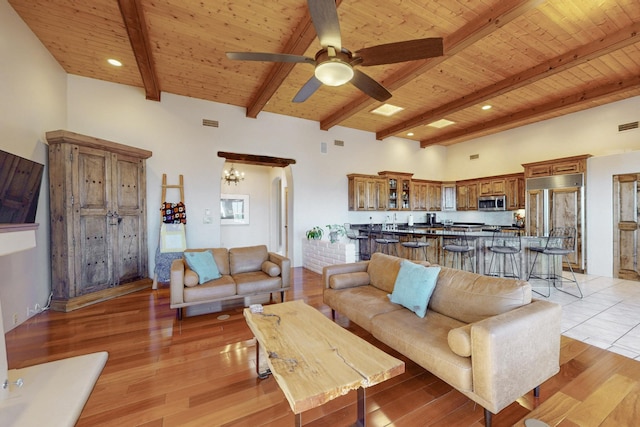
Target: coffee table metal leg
[361,422]
[261,375]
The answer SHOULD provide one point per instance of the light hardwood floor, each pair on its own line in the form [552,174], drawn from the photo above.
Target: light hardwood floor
[200,372]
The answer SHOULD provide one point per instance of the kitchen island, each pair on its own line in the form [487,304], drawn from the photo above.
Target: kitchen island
[479,236]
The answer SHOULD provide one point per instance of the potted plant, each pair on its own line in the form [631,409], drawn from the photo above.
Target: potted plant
[315,233]
[335,232]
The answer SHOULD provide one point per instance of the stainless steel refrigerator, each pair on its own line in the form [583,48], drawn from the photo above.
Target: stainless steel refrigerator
[558,201]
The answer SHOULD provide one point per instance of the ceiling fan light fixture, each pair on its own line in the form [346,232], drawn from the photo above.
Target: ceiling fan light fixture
[334,72]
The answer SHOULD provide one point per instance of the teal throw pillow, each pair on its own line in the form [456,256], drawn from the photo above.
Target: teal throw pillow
[414,285]
[203,264]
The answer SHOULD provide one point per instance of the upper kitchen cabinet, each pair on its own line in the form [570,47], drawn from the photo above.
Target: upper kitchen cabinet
[514,191]
[567,165]
[467,195]
[426,195]
[448,196]
[367,193]
[492,186]
[398,190]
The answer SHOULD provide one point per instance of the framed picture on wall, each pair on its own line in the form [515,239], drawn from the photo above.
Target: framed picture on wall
[234,209]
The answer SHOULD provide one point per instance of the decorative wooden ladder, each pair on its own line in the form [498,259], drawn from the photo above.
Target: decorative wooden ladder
[165,186]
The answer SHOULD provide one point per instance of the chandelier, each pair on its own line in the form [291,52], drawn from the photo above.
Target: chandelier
[232,175]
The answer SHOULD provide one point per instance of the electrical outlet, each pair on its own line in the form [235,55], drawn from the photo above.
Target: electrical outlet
[15,319]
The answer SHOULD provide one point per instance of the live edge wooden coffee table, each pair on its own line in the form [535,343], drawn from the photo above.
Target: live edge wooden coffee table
[315,360]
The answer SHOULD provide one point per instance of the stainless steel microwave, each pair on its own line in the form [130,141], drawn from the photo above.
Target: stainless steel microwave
[492,203]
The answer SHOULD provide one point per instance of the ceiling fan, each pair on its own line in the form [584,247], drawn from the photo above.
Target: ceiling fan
[334,65]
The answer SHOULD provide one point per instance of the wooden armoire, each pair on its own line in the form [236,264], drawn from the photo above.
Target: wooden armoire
[98,219]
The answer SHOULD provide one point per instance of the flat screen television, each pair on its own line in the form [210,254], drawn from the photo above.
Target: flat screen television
[20,181]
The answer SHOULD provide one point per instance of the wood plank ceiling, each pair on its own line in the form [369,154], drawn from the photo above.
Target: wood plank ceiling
[530,59]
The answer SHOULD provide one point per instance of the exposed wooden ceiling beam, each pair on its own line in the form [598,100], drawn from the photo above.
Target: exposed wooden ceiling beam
[581,55]
[302,37]
[483,26]
[252,159]
[518,119]
[133,17]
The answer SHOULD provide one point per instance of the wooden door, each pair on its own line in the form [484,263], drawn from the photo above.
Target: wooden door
[462,197]
[92,228]
[360,194]
[472,197]
[625,223]
[565,210]
[128,221]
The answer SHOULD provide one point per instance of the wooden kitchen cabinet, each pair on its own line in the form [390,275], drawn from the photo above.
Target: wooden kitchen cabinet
[566,165]
[449,196]
[419,195]
[98,219]
[398,190]
[492,187]
[435,196]
[467,195]
[367,192]
[514,192]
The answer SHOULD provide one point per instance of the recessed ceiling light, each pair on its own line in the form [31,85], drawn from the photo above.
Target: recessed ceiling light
[441,123]
[387,110]
[114,62]
[486,107]
[410,134]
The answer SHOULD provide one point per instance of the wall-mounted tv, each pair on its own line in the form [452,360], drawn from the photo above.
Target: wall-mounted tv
[20,181]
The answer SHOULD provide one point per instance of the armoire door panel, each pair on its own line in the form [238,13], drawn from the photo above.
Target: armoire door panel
[127,184]
[95,258]
[129,248]
[94,176]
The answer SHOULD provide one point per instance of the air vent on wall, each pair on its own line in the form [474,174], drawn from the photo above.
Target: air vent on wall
[627,126]
[210,123]
[474,156]
[338,143]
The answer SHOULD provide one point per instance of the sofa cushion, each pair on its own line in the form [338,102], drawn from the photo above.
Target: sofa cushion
[383,270]
[360,304]
[413,286]
[213,289]
[250,258]
[270,268]
[459,340]
[424,340]
[255,282]
[221,255]
[470,297]
[191,278]
[349,280]
[203,264]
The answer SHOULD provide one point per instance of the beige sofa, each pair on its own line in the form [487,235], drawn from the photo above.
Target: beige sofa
[484,336]
[245,271]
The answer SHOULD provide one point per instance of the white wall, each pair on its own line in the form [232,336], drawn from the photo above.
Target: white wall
[32,101]
[172,129]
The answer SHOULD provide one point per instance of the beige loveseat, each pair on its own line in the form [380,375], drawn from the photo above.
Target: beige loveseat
[483,335]
[245,271]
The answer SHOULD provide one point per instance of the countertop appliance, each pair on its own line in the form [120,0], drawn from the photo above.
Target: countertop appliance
[492,203]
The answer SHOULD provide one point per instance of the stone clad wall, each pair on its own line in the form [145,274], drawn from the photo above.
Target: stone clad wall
[318,253]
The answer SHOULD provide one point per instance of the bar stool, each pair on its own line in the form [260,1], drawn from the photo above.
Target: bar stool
[560,242]
[415,245]
[457,244]
[363,251]
[386,242]
[509,244]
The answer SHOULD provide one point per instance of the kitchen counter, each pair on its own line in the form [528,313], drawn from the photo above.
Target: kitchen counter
[479,235]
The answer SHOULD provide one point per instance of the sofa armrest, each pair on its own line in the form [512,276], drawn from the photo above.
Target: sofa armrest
[514,352]
[285,267]
[330,270]
[176,281]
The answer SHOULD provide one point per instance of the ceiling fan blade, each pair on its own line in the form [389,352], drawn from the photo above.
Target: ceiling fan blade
[370,86]
[309,88]
[409,50]
[324,16]
[269,57]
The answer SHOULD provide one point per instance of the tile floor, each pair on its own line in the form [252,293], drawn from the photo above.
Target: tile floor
[607,317]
